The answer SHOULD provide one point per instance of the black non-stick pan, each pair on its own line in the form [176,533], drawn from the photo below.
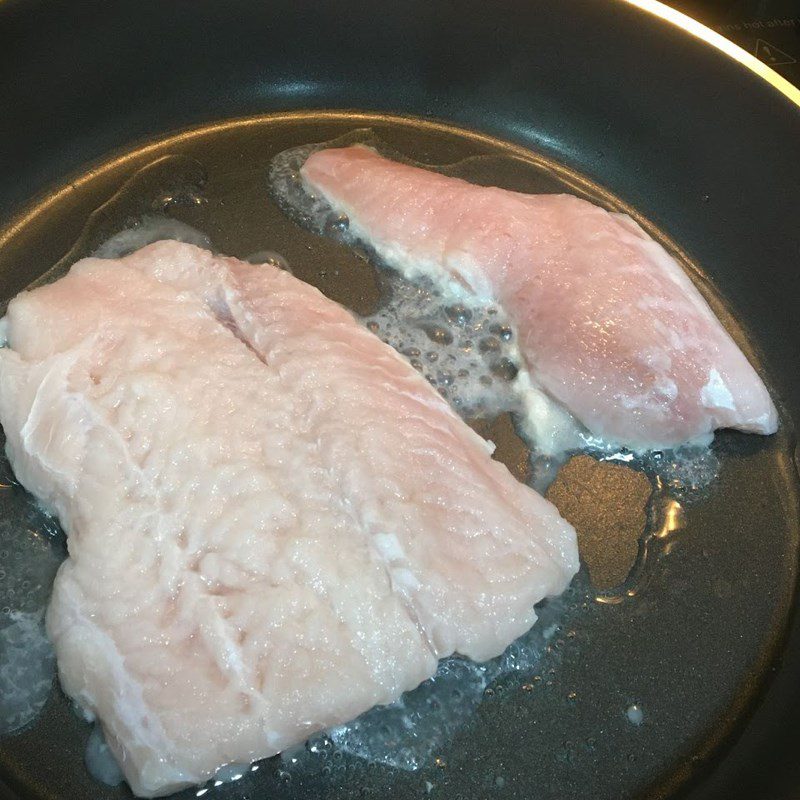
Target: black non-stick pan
[686,683]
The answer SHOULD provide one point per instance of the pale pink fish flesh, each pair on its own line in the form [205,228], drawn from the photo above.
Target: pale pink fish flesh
[274,523]
[609,324]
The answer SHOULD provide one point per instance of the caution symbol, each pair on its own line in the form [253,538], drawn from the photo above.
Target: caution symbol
[771,55]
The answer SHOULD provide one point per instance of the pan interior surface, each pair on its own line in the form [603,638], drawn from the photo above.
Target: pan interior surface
[632,695]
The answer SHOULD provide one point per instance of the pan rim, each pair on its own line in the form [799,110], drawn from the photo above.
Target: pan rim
[120,158]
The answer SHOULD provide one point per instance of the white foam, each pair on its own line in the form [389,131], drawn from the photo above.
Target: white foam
[28,563]
[545,424]
[26,669]
[149,229]
[308,209]
[685,473]
[408,734]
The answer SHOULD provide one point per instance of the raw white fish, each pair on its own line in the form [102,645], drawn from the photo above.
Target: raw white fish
[609,324]
[274,523]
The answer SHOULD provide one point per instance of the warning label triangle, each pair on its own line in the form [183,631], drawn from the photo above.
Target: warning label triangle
[771,55]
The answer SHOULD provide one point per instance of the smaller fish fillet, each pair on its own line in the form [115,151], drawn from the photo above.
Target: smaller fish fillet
[609,324]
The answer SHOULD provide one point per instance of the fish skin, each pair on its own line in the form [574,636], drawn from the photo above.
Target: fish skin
[273,521]
[609,324]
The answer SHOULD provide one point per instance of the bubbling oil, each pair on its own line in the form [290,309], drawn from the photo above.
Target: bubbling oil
[411,733]
[30,553]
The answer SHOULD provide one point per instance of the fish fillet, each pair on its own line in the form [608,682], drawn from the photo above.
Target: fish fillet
[608,323]
[274,523]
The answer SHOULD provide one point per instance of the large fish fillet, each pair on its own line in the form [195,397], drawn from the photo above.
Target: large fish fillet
[273,521]
[609,324]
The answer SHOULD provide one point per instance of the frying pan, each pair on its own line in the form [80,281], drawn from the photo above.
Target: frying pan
[703,148]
